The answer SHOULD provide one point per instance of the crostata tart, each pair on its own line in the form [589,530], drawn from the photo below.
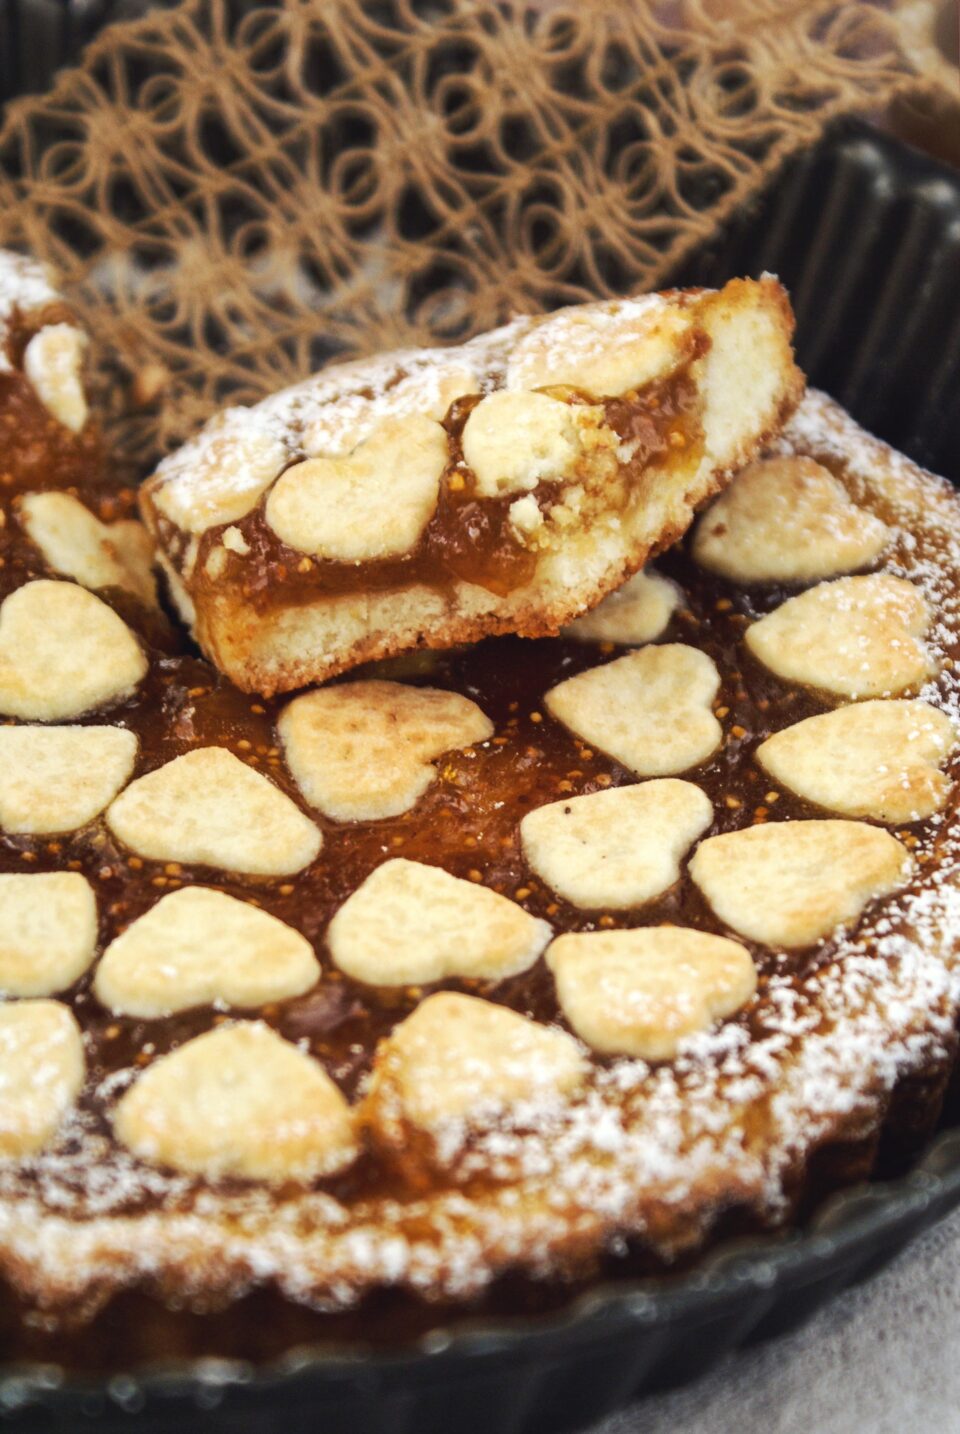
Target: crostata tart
[490,960]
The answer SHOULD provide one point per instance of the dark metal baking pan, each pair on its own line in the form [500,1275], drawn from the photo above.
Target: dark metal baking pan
[866,233]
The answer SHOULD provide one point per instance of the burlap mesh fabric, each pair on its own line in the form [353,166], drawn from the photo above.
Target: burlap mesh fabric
[236,193]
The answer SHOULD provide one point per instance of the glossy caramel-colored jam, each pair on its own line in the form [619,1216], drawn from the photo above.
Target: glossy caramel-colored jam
[467,539]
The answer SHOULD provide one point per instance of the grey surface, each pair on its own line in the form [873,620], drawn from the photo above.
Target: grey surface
[881,1359]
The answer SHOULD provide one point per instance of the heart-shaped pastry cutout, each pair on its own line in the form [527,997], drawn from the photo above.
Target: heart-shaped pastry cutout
[513,441]
[48,931]
[53,364]
[238,1101]
[617,848]
[604,349]
[638,612]
[789,883]
[336,507]
[649,710]
[410,924]
[97,555]
[42,1069]
[200,947]
[856,637]
[63,652]
[643,992]
[786,520]
[347,410]
[220,477]
[207,808]
[874,759]
[458,1059]
[56,779]
[365,750]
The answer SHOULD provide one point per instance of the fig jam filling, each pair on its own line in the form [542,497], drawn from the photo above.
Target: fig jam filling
[467,539]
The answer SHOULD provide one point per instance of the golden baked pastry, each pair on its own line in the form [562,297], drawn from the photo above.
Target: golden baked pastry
[430,497]
[556,946]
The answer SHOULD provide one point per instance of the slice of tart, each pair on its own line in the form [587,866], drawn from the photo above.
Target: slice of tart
[431,497]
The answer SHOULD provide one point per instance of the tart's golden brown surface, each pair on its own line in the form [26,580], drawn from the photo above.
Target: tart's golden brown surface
[483,1136]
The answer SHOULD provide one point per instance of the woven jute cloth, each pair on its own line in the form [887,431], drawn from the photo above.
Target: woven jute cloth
[236,193]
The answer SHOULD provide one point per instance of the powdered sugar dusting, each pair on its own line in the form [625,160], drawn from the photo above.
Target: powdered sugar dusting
[336,409]
[330,412]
